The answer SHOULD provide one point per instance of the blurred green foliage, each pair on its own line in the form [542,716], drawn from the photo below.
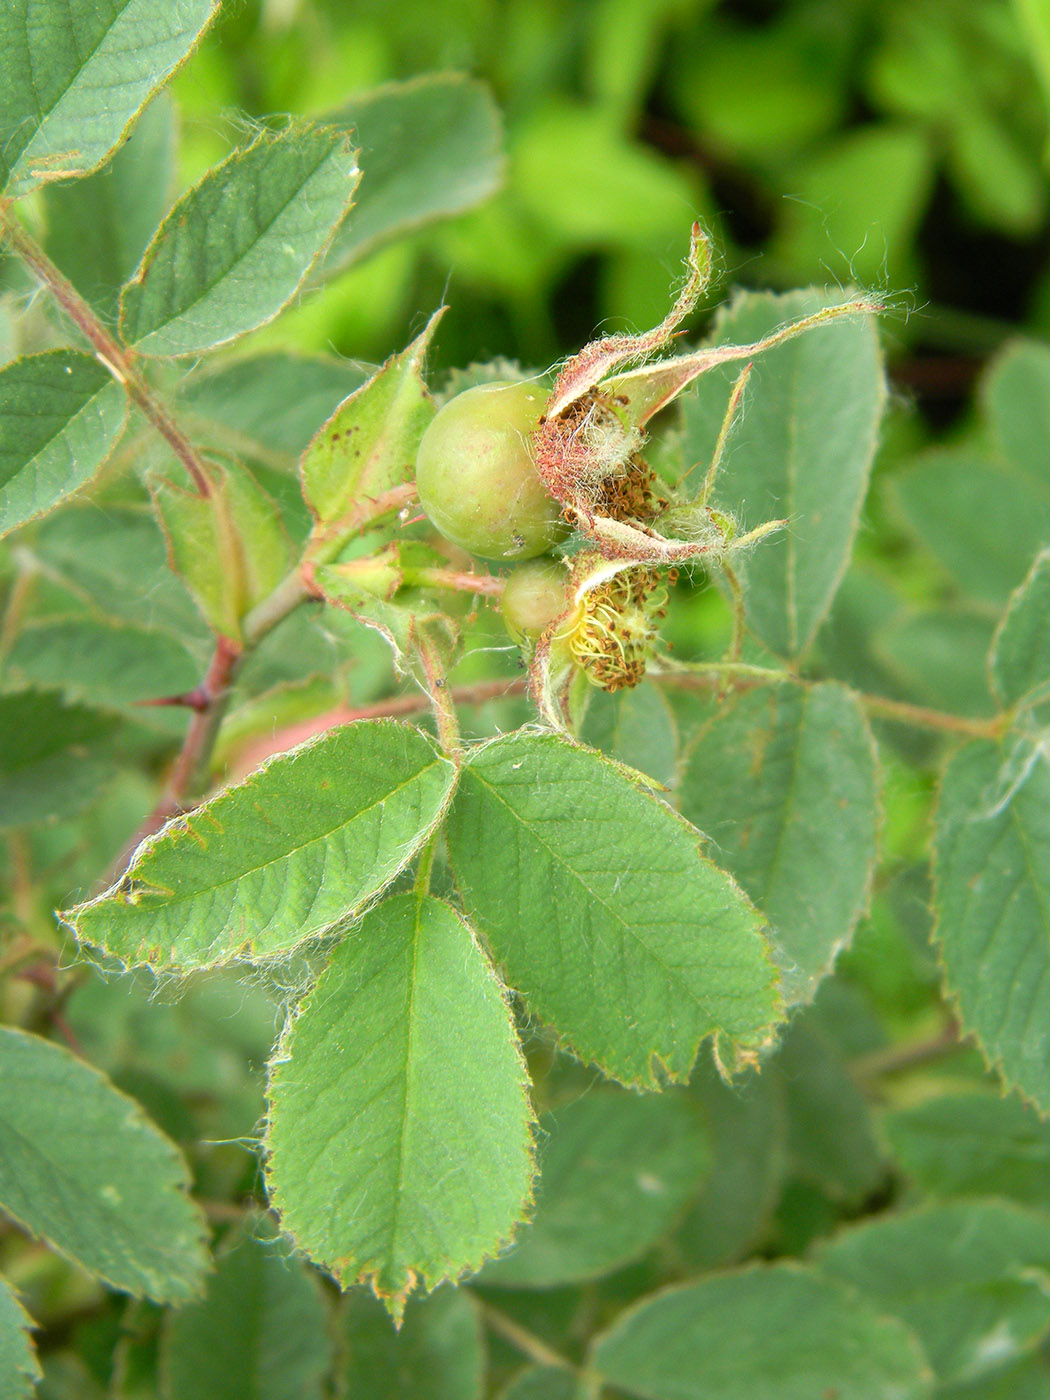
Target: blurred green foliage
[898,143]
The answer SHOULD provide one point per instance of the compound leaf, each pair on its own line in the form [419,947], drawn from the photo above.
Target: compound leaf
[777,1333]
[992,900]
[60,415]
[84,1168]
[597,901]
[234,248]
[73,77]
[784,782]
[293,852]
[399,1143]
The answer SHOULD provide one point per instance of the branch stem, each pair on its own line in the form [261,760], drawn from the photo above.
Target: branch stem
[740,676]
[108,351]
[522,1339]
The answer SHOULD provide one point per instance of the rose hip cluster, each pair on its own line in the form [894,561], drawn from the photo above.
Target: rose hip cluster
[556,483]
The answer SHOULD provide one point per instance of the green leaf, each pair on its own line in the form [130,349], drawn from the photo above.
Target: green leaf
[229,547]
[84,1169]
[615,1171]
[1020,660]
[596,899]
[636,727]
[992,897]
[939,654]
[273,402]
[72,79]
[370,443]
[982,519]
[856,204]
[969,1277]
[437,1354]
[784,782]
[295,851]
[801,450]
[830,1136]
[1027,1379]
[54,769]
[399,1144]
[1015,393]
[60,415]
[259,1333]
[104,663]
[779,1333]
[98,227]
[430,147]
[19,1368]
[234,248]
[541,1383]
[114,561]
[974,1145]
[745,1125]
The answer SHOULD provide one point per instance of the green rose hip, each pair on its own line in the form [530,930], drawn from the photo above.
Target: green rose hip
[476,477]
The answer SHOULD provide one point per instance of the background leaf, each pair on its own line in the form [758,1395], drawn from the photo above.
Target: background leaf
[61,413]
[777,1333]
[745,1126]
[430,147]
[399,1144]
[969,1277]
[98,227]
[235,247]
[19,1368]
[296,850]
[783,782]
[635,727]
[272,402]
[85,1169]
[259,1333]
[438,1354]
[51,771]
[974,1145]
[981,520]
[801,450]
[992,897]
[229,547]
[1020,661]
[597,902]
[615,1170]
[73,79]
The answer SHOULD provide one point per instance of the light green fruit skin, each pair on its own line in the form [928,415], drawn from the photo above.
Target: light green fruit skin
[534,596]
[476,478]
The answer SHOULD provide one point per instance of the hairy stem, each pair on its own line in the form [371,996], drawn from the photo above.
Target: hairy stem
[109,352]
[192,760]
[456,580]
